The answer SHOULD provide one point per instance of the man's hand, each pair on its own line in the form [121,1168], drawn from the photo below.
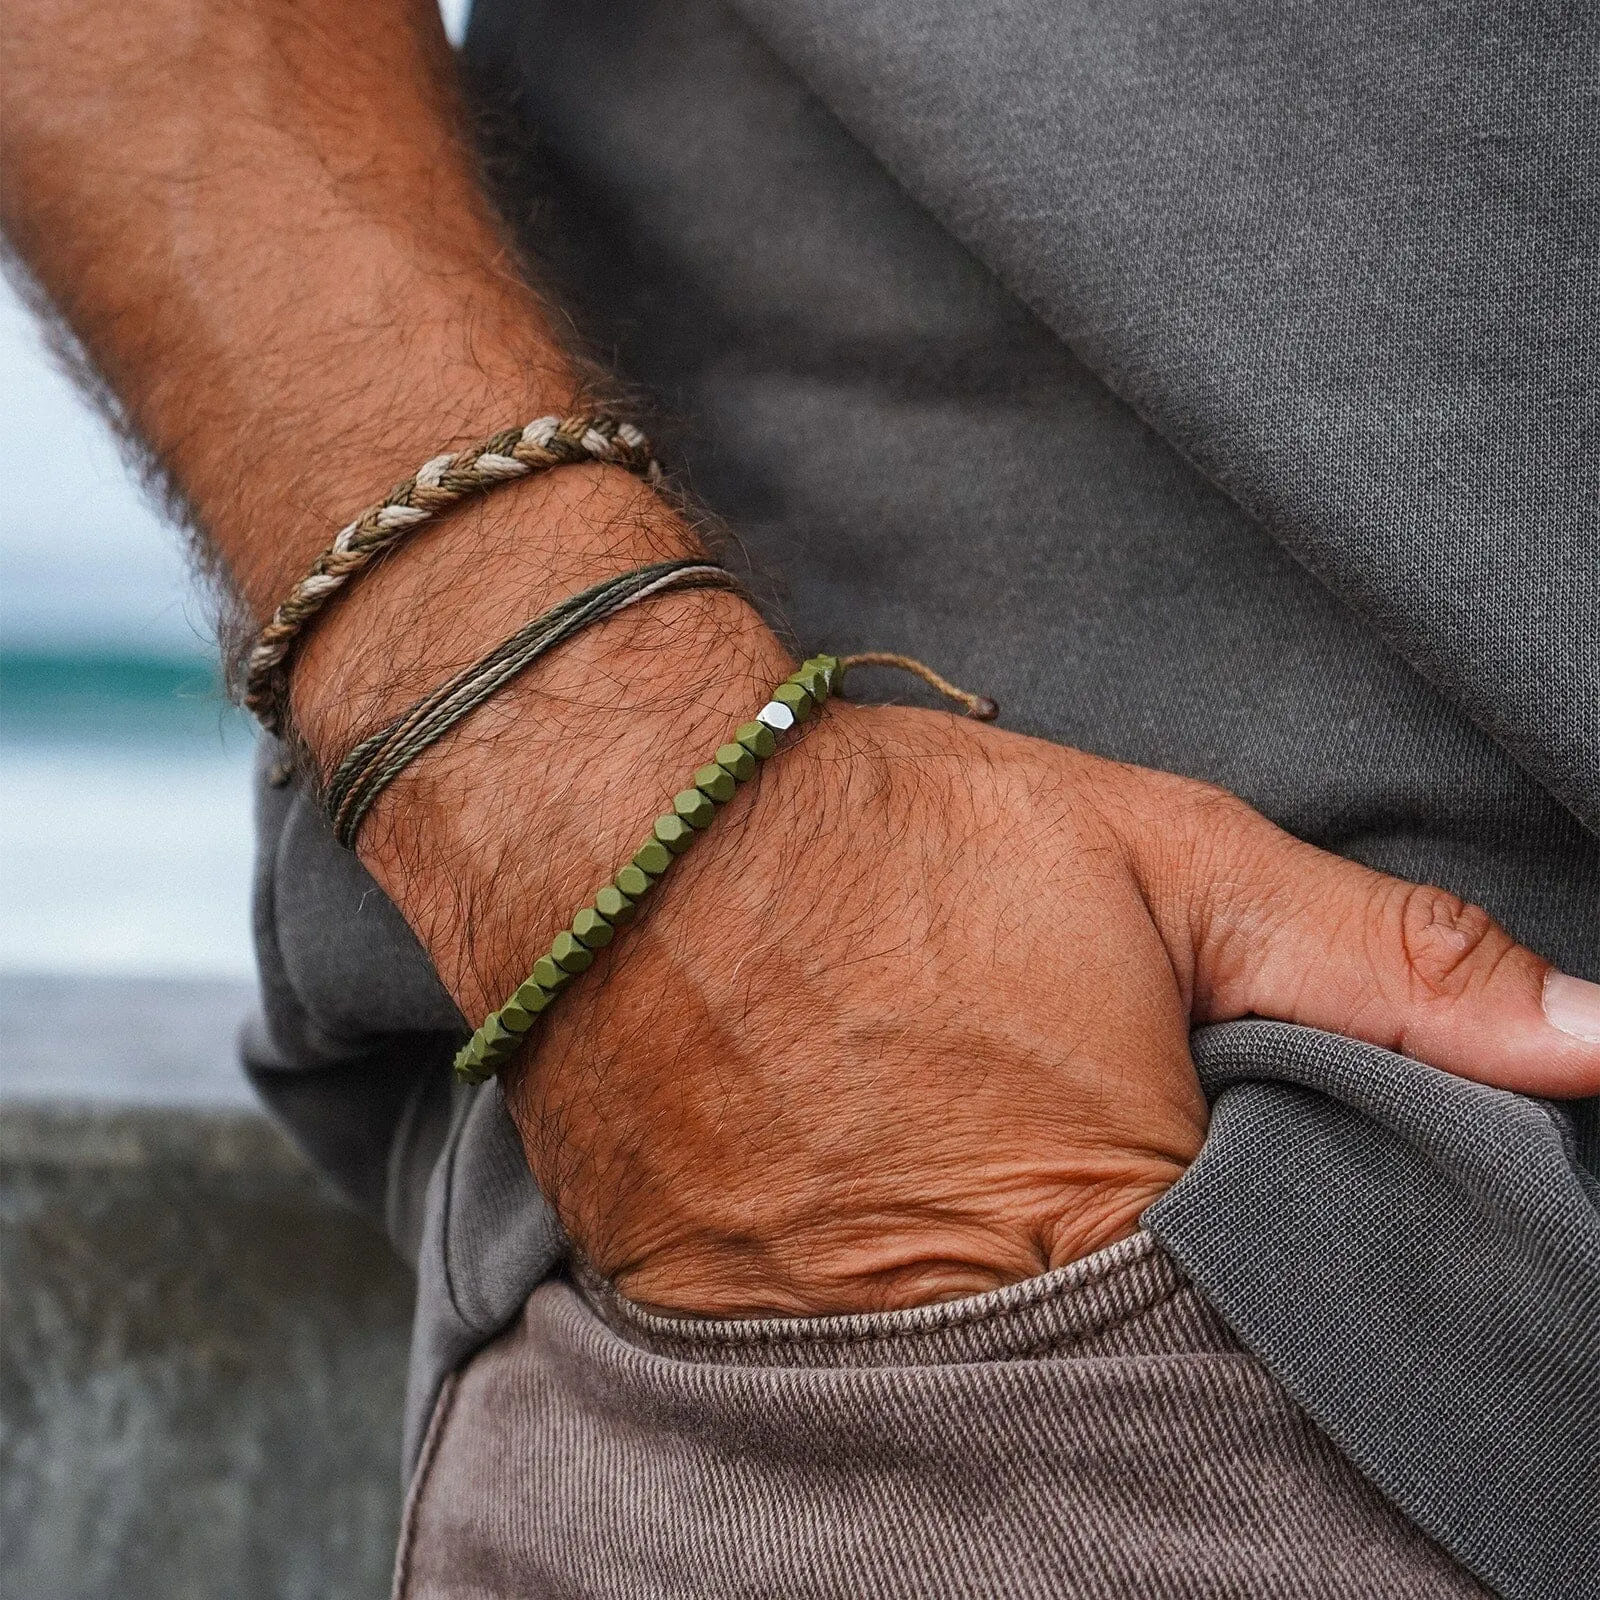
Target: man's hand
[912,1018]
[913,1022]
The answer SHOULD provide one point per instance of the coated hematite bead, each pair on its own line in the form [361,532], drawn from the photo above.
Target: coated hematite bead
[675,833]
[614,905]
[695,808]
[756,737]
[569,954]
[652,858]
[470,1066]
[735,759]
[715,784]
[533,996]
[813,680]
[548,975]
[633,880]
[496,1042]
[777,716]
[515,1016]
[798,701]
[592,930]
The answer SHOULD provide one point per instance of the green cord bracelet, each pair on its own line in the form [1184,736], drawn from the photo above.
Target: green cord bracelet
[595,925]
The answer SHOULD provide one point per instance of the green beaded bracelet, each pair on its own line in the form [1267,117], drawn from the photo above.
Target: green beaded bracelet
[505,1031]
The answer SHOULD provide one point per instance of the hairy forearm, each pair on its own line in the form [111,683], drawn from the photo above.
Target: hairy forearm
[263,222]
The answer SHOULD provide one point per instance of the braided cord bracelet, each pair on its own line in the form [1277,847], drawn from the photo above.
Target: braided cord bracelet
[572,951]
[380,758]
[445,481]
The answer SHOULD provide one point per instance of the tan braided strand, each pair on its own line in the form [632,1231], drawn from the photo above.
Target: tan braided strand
[443,482]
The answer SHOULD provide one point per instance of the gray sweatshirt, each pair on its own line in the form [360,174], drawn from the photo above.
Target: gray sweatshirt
[1214,385]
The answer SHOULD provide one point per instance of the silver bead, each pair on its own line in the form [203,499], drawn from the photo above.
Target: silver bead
[776,716]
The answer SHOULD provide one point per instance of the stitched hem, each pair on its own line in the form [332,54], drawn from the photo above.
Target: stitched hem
[1050,1313]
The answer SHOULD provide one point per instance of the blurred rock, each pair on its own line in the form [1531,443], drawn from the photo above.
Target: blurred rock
[202,1363]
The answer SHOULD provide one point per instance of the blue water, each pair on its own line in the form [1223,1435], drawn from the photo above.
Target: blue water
[124,817]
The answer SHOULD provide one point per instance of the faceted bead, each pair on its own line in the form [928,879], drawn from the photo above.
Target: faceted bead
[592,929]
[471,1067]
[522,1009]
[514,1017]
[756,737]
[532,996]
[633,880]
[497,1037]
[798,701]
[829,665]
[714,783]
[548,975]
[695,808]
[569,954]
[813,680]
[675,833]
[480,1063]
[614,905]
[652,858]
[777,716]
[735,759]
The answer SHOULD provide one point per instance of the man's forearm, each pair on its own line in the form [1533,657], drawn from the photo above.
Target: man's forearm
[263,222]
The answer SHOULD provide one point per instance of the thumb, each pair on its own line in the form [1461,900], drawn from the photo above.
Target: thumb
[1283,930]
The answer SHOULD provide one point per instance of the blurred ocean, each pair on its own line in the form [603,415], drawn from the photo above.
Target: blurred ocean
[124,778]
[124,817]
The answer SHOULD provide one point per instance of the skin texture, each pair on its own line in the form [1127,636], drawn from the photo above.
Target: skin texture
[913,1020]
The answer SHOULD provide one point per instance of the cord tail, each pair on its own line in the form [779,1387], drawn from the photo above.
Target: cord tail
[979,706]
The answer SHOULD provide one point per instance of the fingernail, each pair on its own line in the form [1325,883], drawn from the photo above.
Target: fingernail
[1573,1006]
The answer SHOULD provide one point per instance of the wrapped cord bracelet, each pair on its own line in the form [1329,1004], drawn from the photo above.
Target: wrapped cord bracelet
[505,1031]
[380,758]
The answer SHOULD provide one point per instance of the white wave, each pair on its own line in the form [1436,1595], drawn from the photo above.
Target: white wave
[126,861]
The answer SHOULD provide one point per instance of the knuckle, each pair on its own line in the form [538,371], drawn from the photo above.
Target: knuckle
[1449,945]
[1193,826]
[1225,842]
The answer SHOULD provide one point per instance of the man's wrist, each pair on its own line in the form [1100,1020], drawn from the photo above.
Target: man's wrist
[489,840]
[503,824]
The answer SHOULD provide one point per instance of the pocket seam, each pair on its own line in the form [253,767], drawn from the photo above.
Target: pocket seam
[411,1515]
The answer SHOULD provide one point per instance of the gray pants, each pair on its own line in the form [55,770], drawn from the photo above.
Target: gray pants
[1094,1432]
